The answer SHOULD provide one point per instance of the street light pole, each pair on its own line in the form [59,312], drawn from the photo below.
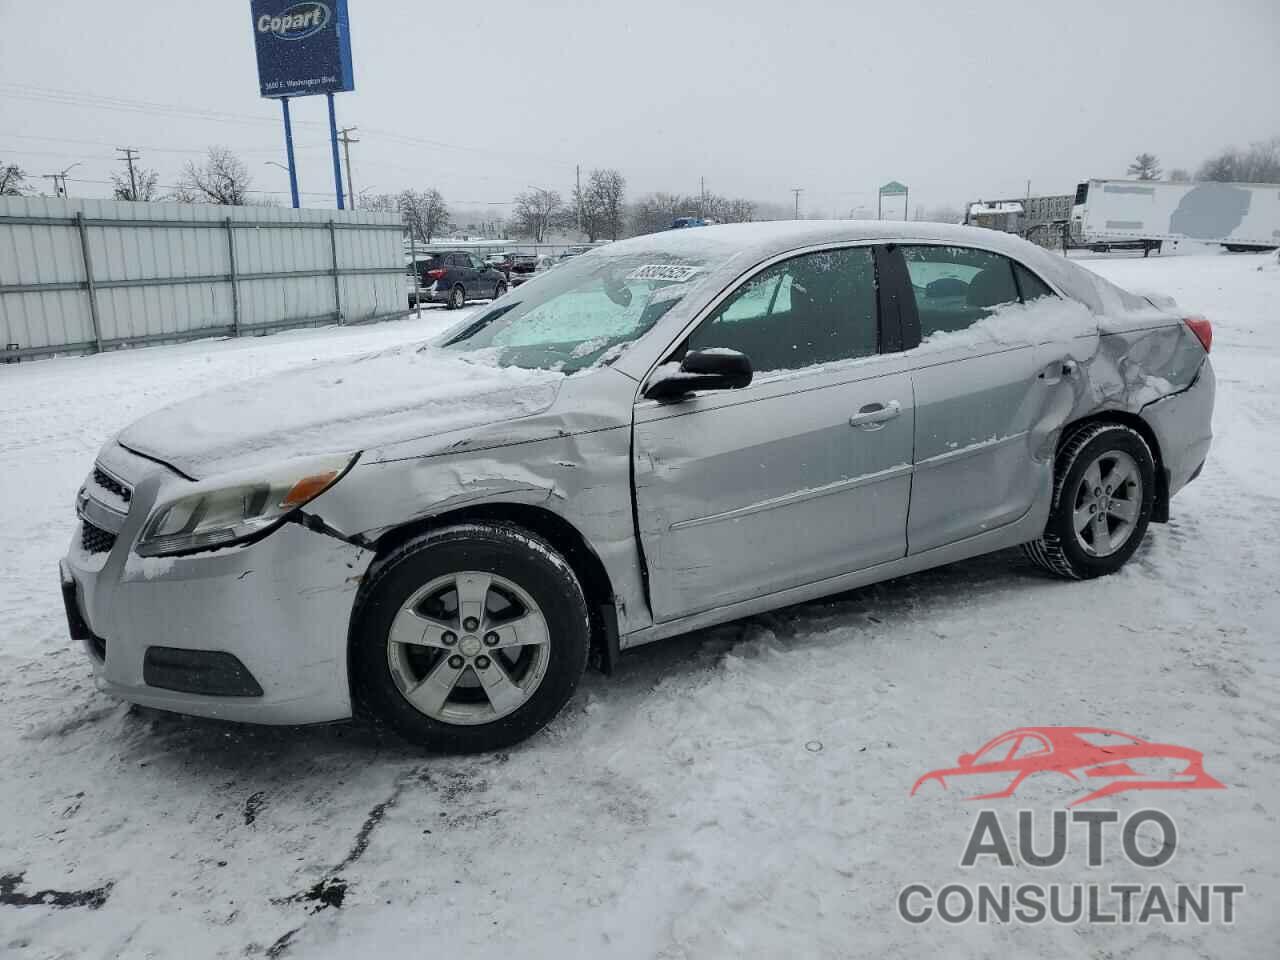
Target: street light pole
[60,180]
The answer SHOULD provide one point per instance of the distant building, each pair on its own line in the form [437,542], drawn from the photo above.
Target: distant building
[1031,217]
[1005,215]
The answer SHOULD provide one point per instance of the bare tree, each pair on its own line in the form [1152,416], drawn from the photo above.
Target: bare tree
[1224,167]
[1145,166]
[1259,164]
[600,204]
[380,203]
[1262,162]
[1179,175]
[425,213]
[536,212]
[222,179]
[144,187]
[13,180]
[655,211]
[728,209]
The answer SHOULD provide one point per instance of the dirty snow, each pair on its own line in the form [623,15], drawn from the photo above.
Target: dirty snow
[741,791]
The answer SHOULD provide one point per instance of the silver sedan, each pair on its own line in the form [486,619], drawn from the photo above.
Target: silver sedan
[662,434]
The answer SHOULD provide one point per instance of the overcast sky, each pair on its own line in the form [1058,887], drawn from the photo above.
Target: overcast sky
[959,100]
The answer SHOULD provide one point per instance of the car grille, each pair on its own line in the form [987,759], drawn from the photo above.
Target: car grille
[94,539]
[108,482]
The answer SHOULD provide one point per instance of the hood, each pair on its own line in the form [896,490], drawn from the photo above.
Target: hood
[338,406]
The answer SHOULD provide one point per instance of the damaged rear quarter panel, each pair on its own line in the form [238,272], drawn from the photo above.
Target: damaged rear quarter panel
[572,460]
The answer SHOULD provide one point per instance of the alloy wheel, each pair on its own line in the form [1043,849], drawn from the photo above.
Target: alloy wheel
[1107,503]
[468,648]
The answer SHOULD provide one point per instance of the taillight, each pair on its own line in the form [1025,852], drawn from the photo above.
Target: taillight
[436,274]
[1203,330]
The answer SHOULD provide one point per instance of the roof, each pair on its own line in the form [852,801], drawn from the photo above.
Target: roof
[743,244]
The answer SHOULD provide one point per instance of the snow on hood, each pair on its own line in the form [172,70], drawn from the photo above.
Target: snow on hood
[339,406]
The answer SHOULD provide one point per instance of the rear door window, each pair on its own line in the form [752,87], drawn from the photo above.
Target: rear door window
[955,287]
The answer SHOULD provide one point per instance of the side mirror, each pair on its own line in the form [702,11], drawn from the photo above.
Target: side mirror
[714,369]
[966,760]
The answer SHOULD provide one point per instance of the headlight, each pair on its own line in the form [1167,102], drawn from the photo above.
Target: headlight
[231,509]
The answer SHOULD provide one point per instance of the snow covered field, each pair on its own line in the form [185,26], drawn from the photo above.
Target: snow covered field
[740,791]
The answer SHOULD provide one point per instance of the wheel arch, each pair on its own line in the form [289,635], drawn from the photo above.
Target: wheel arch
[1160,507]
[556,530]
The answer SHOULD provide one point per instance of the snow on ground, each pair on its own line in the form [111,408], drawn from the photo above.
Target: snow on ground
[743,790]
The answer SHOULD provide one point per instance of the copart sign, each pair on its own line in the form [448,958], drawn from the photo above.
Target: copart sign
[303,46]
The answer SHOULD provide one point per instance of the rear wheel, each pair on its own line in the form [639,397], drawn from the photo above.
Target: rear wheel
[499,289]
[470,638]
[457,298]
[1103,493]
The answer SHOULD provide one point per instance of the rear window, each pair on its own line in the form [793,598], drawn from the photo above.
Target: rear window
[1029,285]
[956,287]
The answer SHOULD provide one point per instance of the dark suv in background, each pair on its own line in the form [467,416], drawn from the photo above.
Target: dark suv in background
[453,277]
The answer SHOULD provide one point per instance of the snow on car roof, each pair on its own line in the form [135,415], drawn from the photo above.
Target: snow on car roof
[746,243]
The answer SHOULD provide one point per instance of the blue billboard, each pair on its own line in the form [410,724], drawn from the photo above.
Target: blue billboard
[304,47]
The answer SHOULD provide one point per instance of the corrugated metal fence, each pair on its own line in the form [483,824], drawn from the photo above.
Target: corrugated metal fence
[85,275]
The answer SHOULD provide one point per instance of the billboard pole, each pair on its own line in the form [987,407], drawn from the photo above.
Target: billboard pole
[288,148]
[333,142]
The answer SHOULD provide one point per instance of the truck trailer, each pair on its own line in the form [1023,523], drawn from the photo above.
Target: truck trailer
[1143,214]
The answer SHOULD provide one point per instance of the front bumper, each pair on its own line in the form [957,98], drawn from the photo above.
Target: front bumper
[279,608]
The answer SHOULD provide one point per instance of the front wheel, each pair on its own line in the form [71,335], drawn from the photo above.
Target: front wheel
[1103,493]
[470,638]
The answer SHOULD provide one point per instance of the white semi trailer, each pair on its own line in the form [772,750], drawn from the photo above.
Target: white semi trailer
[1143,214]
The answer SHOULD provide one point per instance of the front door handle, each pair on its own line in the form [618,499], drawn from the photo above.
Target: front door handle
[872,416]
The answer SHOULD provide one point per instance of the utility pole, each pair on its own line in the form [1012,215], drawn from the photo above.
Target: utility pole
[702,197]
[130,155]
[797,191]
[347,140]
[577,192]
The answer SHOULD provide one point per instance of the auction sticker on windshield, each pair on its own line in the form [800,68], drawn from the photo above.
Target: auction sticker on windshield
[672,272]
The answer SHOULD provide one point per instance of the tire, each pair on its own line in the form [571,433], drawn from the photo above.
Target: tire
[499,289]
[1127,508]
[457,298]
[520,568]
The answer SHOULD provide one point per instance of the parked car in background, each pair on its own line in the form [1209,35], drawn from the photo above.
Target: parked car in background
[502,262]
[523,266]
[453,277]
[666,433]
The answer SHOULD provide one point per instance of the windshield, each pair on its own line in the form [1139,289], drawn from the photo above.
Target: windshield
[585,312]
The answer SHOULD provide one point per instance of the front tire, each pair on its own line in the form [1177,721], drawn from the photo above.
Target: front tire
[1103,494]
[469,638]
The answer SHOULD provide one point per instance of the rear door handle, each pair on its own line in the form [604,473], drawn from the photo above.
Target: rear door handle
[872,416]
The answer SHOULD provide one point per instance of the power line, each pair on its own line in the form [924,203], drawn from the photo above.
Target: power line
[148,148]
